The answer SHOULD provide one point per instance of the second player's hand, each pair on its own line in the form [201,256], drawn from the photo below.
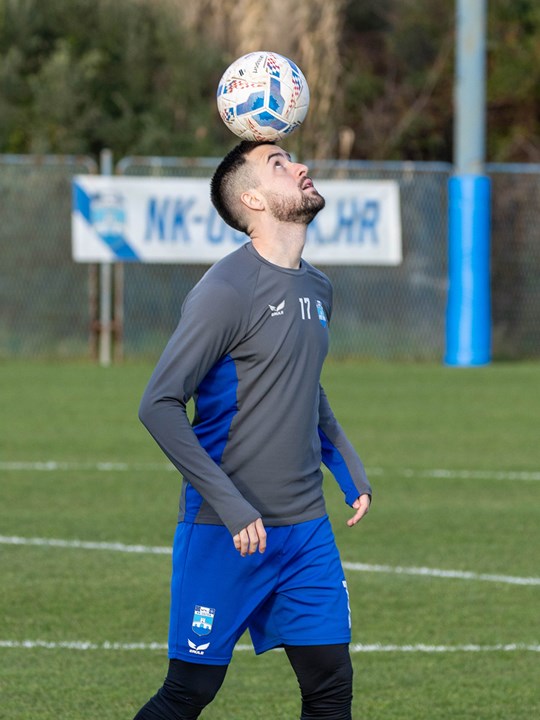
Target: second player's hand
[251,539]
[361,505]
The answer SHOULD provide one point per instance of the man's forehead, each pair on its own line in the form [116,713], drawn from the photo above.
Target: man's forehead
[264,153]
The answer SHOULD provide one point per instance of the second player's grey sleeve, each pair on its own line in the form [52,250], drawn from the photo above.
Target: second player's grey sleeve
[211,322]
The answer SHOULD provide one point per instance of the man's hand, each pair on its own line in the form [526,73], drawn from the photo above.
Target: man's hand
[361,505]
[251,538]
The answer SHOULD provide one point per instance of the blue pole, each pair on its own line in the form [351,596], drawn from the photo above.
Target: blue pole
[468,317]
[468,322]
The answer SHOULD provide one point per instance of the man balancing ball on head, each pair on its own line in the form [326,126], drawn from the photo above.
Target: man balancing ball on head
[254,548]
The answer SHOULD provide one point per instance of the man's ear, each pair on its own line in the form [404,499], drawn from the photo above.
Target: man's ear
[252,200]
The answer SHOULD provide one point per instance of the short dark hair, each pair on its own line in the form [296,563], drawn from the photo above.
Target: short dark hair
[222,186]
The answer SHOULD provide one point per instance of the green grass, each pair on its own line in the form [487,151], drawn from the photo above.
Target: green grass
[406,420]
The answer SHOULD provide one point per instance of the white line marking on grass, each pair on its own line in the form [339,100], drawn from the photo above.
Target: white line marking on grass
[79,645]
[53,465]
[474,474]
[512,647]
[355,567]
[86,545]
[435,572]
[355,647]
[445,474]
[436,473]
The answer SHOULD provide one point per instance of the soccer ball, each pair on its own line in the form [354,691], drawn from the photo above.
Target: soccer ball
[263,96]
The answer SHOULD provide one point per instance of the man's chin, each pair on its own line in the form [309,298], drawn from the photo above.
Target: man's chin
[288,209]
[317,202]
[314,208]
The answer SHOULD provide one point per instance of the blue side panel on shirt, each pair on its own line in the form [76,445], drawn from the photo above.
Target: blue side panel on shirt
[334,461]
[216,408]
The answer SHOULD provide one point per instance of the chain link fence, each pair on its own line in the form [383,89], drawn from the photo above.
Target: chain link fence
[515,263]
[44,296]
[396,312]
[379,312]
[48,302]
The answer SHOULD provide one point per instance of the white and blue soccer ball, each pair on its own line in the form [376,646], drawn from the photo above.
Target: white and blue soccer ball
[263,96]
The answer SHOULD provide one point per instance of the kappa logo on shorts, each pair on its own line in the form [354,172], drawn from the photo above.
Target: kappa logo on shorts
[197,649]
[203,619]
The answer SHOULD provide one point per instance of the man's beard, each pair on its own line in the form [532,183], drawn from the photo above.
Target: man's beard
[286,208]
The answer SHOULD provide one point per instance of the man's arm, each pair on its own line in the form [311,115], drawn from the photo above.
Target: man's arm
[206,330]
[343,461]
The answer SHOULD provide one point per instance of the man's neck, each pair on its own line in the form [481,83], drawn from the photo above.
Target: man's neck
[284,250]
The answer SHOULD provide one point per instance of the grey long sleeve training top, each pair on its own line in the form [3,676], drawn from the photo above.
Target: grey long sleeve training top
[249,348]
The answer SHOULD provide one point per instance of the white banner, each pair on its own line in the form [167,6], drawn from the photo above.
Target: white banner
[171,220]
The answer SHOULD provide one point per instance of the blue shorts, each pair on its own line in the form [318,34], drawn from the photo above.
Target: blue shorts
[295,593]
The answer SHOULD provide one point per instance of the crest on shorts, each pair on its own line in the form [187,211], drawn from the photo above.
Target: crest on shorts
[203,619]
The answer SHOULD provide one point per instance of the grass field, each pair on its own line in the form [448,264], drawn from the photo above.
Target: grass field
[454,457]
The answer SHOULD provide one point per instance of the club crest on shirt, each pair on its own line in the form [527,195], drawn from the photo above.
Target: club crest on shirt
[203,619]
[322,315]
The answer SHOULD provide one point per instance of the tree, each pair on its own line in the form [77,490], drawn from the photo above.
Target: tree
[94,73]
[140,76]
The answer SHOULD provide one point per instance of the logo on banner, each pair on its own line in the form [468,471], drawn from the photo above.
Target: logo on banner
[203,619]
[107,216]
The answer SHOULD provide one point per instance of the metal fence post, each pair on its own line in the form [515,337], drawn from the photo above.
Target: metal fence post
[105,285]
